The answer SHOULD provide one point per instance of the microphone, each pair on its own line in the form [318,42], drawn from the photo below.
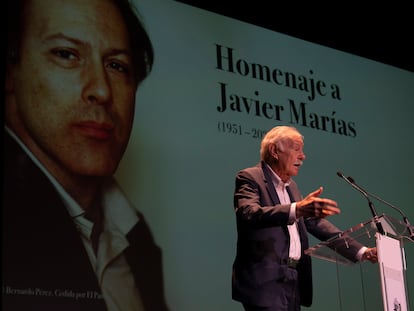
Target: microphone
[351,181]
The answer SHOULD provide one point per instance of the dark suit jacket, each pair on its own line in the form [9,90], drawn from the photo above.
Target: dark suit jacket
[259,268]
[44,262]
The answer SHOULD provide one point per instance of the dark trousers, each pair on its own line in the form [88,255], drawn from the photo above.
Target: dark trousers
[286,300]
[271,308]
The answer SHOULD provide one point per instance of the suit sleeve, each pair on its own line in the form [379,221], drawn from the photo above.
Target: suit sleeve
[253,204]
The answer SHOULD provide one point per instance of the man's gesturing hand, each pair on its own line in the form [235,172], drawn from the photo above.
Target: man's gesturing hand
[314,206]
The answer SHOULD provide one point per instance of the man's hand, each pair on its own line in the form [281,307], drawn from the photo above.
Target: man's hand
[370,255]
[314,206]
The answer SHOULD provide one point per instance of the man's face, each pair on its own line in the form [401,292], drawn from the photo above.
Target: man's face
[290,158]
[71,95]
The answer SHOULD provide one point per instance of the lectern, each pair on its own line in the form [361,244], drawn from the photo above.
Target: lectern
[391,257]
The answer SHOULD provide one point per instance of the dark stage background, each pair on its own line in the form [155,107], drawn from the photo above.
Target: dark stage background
[379,33]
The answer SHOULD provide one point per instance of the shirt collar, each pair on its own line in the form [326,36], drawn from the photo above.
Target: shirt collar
[277,181]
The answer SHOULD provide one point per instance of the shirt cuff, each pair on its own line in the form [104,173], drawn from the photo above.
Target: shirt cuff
[360,253]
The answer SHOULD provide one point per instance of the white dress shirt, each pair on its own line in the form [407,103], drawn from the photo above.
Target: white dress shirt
[280,186]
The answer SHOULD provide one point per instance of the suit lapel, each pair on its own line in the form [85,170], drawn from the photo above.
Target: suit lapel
[269,184]
[44,249]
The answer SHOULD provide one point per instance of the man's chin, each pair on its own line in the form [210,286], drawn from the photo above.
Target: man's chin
[295,171]
[95,169]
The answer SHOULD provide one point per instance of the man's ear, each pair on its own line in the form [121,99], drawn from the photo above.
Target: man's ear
[273,151]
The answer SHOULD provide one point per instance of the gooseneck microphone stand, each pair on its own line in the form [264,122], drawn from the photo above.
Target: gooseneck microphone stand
[351,181]
[367,195]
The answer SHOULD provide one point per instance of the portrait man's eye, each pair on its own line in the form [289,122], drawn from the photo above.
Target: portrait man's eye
[65,56]
[120,67]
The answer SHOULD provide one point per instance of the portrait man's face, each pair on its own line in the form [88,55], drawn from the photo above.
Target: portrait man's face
[71,94]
